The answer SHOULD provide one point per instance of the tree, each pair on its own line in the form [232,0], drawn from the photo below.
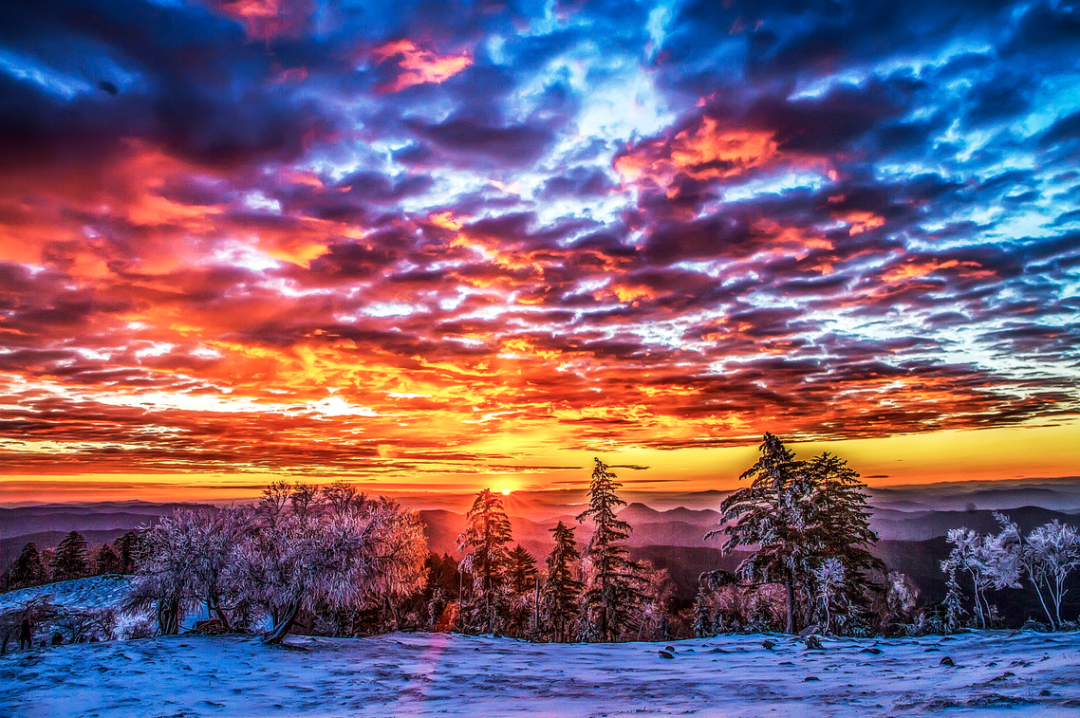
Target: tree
[357,559]
[772,513]
[27,569]
[521,569]
[487,531]
[988,560]
[795,516]
[342,497]
[127,546]
[69,561]
[186,559]
[611,585]
[559,600]
[106,560]
[1054,551]
[1046,556]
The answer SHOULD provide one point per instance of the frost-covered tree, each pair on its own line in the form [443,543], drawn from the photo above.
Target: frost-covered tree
[954,607]
[1054,553]
[186,560]
[342,497]
[70,559]
[27,569]
[829,579]
[794,516]
[989,561]
[361,558]
[611,581]
[653,617]
[559,599]
[487,531]
[1047,556]
[772,514]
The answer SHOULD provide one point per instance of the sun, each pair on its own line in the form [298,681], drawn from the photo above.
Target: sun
[506,492]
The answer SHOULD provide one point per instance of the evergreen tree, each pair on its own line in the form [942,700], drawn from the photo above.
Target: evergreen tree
[800,515]
[127,547]
[840,535]
[70,559]
[521,569]
[559,599]
[106,560]
[487,531]
[771,513]
[27,569]
[611,587]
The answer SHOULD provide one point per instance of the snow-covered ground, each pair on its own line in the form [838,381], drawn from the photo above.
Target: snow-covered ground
[94,592]
[995,673]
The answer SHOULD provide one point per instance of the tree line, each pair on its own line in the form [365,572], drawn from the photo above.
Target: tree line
[329,560]
[73,558]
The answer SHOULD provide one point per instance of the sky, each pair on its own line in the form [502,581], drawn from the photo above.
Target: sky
[441,246]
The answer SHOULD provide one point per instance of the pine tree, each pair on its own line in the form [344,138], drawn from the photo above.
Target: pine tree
[70,559]
[839,533]
[487,531]
[27,569]
[559,599]
[800,515]
[771,513]
[521,569]
[612,582]
[126,548]
[106,560]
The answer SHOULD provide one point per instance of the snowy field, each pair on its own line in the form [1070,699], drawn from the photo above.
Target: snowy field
[995,673]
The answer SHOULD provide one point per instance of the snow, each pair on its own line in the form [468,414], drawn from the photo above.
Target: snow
[1020,674]
[106,591]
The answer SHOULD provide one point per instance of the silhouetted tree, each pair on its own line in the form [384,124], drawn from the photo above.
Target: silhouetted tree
[611,581]
[487,531]
[69,562]
[342,497]
[559,600]
[27,569]
[521,569]
[106,560]
[127,547]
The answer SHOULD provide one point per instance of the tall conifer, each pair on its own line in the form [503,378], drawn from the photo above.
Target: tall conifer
[611,588]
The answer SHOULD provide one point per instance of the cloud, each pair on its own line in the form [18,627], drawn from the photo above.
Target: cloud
[275,237]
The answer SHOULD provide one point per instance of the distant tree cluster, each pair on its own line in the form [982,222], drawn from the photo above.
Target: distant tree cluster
[71,559]
[598,594]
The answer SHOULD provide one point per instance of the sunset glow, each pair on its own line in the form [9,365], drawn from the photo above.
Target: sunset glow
[455,247]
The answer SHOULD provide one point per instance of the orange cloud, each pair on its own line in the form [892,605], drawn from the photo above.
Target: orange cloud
[709,152]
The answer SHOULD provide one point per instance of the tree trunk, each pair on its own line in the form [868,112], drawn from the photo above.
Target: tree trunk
[168,617]
[789,586]
[283,626]
[1038,590]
